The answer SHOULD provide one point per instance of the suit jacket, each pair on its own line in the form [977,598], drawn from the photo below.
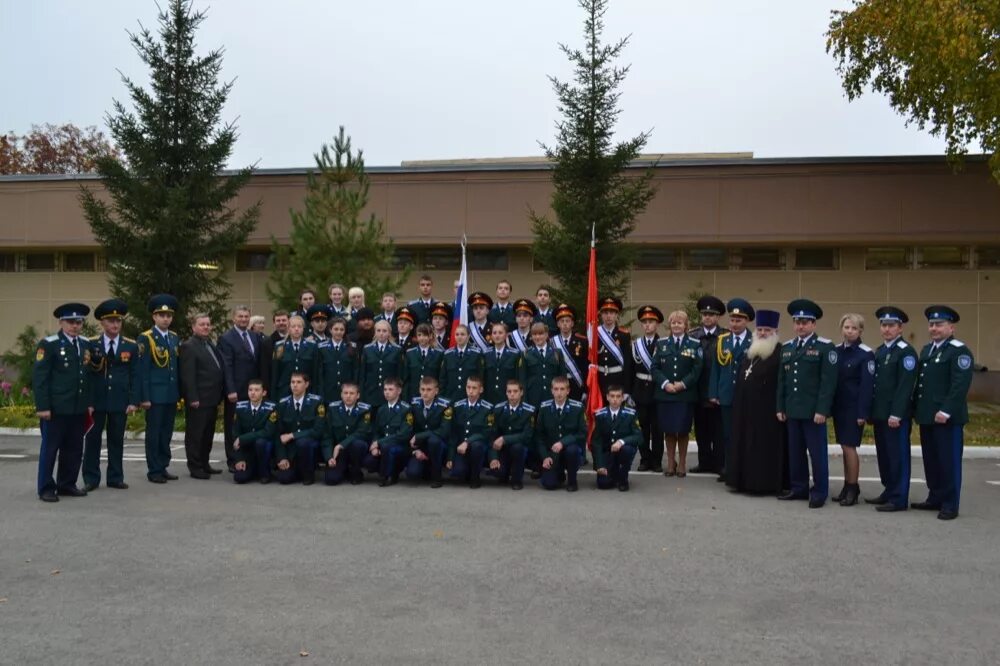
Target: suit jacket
[238,363]
[202,377]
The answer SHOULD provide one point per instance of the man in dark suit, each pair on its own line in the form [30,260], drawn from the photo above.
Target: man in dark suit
[202,385]
[240,349]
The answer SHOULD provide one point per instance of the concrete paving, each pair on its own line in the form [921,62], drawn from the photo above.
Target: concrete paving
[675,571]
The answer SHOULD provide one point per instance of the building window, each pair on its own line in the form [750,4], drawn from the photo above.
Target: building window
[8,262]
[761,258]
[403,257]
[943,257]
[657,259]
[252,260]
[536,264]
[709,258]
[885,258]
[442,259]
[79,262]
[986,257]
[816,258]
[40,261]
[488,260]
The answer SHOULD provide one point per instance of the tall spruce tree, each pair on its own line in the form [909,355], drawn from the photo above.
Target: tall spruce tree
[591,184]
[331,240]
[171,222]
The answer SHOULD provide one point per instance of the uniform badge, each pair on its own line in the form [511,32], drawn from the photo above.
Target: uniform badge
[531,421]
[909,362]
[125,356]
[280,351]
[86,356]
[273,418]
[367,417]
[321,411]
[964,362]
[40,354]
[409,419]
[832,356]
[142,349]
[871,367]
[447,412]
[489,419]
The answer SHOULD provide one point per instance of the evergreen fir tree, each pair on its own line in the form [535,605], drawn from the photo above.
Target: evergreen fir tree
[331,240]
[170,223]
[589,175]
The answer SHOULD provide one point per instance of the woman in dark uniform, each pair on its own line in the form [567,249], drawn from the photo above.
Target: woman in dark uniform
[675,368]
[852,401]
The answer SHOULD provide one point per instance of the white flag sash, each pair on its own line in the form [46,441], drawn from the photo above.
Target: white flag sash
[570,361]
[519,341]
[642,354]
[611,345]
[477,337]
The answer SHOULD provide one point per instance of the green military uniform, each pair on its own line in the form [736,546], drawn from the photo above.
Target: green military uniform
[431,434]
[417,364]
[456,368]
[517,427]
[609,427]
[393,429]
[160,387]
[292,357]
[472,424]
[536,371]
[497,371]
[349,428]
[306,421]
[254,428]
[676,360]
[568,425]
[378,363]
[338,363]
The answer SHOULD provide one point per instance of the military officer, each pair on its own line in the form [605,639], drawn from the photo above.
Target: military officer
[852,401]
[63,397]
[424,359]
[404,322]
[338,361]
[429,444]
[614,360]
[114,380]
[644,390]
[471,434]
[941,410]
[520,336]
[390,448]
[254,427]
[676,368]
[573,348]
[300,422]
[616,436]
[561,436]
[545,314]
[707,414]
[424,303]
[514,429]
[295,353]
[730,347]
[460,362]
[499,364]
[502,310]
[441,324]
[807,381]
[380,360]
[160,390]
[892,410]
[479,308]
[347,436]
[318,317]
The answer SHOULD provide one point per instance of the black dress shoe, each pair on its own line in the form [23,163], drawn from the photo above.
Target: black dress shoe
[213,470]
[839,496]
[475,484]
[90,486]
[157,478]
[698,469]
[656,470]
[121,485]
[571,487]
[791,496]
[536,475]
[436,483]
[889,508]
[623,487]
[200,474]
[925,506]
[48,496]
[170,477]
[816,503]
[517,485]
[947,515]
[384,482]
[72,491]
[308,482]
[265,479]
[877,501]
[643,467]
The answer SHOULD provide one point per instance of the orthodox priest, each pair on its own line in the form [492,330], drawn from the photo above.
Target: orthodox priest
[758,463]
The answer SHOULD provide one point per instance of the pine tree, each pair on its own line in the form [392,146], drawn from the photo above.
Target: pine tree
[171,221]
[331,240]
[591,185]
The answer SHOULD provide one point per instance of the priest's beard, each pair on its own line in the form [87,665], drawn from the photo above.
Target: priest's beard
[762,348]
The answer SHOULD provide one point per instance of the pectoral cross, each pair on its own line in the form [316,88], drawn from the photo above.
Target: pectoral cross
[746,375]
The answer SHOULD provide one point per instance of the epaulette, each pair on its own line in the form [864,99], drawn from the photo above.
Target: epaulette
[628,410]
[444,402]
[473,348]
[452,350]
[308,341]
[242,403]
[580,335]
[575,403]
[622,329]
[415,399]
[528,407]
[287,398]
[901,344]
[825,341]
[95,338]
[267,404]
[547,403]
[414,301]
[461,402]
[314,396]
[956,343]
[52,338]
[864,347]
[501,404]
[336,403]
[321,344]
[602,410]
[126,339]
[487,404]
[790,343]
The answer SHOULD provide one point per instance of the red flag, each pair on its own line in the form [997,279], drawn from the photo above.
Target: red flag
[595,400]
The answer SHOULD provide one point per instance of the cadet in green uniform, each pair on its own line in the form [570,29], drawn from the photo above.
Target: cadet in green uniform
[561,436]
[347,436]
[644,390]
[301,421]
[471,434]
[574,349]
[730,348]
[431,433]
[459,363]
[441,324]
[160,388]
[499,365]
[614,346]
[421,360]
[519,338]
[405,320]
[61,384]
[318,317]
[479,311]
[114,380]
[892,410]
[380,360]
[676,368]
[616,437]
[254,427]
[941,410]
[540,364]
[338,361]
[502,310]
[390,447]
[807,381]
[514,428]
[544,312]
[295,353]
[423,305]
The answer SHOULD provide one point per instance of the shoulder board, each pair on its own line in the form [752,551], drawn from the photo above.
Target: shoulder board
[628,410]
[528,408]
[336,403]
[575,403]
[452,350]
[901,344]
[364,405]
[268,404]
[500,404]
[725,334]
[95,338]
[957,343]
[371,344]
[622,329]
[547,403]
[825,341]
[442,402]
[414,301]
[461,402]
[126,339]
[601,411]
[148,331]
[415,399]
[475,350]
[243,403]
[486,404]
[324,344]
[308,341]
[52,338]
[865,347]
[790,343]
[580,336]
[692,331]
[391,344]
[287,398]
[313,396]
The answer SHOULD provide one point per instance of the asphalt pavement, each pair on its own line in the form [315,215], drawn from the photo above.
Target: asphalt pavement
[674,571]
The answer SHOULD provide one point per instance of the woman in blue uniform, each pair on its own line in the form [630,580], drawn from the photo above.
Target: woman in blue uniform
[853,400]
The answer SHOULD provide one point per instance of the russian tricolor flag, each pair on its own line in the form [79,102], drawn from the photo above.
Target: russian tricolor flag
[460,313]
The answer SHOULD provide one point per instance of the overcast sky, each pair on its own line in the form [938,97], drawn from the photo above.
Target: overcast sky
[463,78]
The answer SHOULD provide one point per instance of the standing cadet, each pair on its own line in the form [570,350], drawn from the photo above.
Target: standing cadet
[471,434]
[544,314]
[644,390]
[114,368]
[388,313]
[460,362]
[892,410]
[424,303]
[254,427]
[390,447]
[346,437]
[941,410]
[318,317]
[307,299]
[852,401]
[514,428]
[501,310]
[294,354]
[524,314]
[441,324]
[707,415]
[499,364]
[63,397]
[300,422]
[421,360]
[807,380]
[676,368]
[616,436]
[431,433]
[160,385]
[404,322]
[380,360]
[614,360]
[730,347]
[540,364]
[338,361]
[573,348]
[336,292]
[479,308]
[561,436]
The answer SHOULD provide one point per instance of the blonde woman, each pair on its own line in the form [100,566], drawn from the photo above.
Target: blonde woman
[852,401]
[676,367]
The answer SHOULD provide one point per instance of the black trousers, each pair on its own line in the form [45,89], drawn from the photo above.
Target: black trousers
[708,434]
[228,416]
[198,434]
[651,446]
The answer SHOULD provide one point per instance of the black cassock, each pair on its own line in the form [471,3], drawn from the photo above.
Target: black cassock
[758,463]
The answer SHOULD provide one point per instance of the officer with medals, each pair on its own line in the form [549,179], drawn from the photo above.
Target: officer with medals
[524,316]
[614,360]
[616,436]
[676,368]
[160,390]
[892,410]
[424,359]
[852,401]
[644,390]
[380,360]
[561,437]
[301,421]
[499,364]
[347,436]
[479,308]
[114,379]
[254,428]
[471,434]
[514,427]
[707,414]
[61,381]
[574,350]
[460,362]
[807,381]
[338,361]
[941,410]
[295,353]
[431,433]
[730,348]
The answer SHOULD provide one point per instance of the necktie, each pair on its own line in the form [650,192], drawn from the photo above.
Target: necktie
[246,341]
[559,411]
[111,348]
[499,354]
[381,348]
[461,355]
[298,407]
[677,342]
[614,417]
[295,345]
[253,412]
[425,411]
[798,344]
[423,354]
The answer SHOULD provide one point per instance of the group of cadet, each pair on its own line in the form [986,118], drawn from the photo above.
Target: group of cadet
[338,391]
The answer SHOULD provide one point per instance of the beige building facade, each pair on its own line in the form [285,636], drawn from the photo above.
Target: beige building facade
[850,233]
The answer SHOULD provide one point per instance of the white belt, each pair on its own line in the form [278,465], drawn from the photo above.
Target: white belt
[610,369]
[644,377]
